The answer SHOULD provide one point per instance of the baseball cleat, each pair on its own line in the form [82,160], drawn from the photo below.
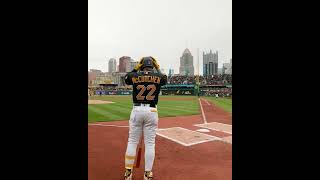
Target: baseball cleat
[128,174]
[148,175]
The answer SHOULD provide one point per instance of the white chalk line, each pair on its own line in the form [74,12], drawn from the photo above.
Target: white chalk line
[203,115]
[213,138]
[166,128]
[203,130]
[220,123]
[174,140]
[207,102]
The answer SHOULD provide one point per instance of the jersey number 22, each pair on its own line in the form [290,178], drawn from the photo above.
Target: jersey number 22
[151,88]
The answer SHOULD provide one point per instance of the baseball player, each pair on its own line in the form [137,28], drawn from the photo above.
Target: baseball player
[146,79]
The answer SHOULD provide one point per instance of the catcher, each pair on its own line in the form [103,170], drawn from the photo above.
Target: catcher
[146,79]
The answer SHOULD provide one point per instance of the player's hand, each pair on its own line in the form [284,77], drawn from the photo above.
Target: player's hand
[155,63]
[139,65]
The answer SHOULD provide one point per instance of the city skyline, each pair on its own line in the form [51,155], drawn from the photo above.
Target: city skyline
[162,29]
[106,66]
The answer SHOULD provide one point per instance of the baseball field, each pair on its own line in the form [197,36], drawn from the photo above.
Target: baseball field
[169,106]
[194,138]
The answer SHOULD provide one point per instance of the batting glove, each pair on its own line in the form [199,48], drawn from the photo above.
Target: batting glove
[139,65]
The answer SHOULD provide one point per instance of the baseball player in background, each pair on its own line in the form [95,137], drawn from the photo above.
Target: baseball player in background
[146,79]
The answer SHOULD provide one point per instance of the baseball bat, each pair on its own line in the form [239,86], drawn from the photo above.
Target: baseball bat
[139,154]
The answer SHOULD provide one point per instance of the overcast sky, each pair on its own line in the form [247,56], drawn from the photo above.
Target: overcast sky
[160,28]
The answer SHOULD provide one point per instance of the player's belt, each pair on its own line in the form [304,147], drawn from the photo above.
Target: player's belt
[141,104]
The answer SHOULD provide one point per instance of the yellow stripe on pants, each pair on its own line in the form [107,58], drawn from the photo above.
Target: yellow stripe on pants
[130,157]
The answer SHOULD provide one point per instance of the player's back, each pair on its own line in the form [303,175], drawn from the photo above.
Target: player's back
[146,86]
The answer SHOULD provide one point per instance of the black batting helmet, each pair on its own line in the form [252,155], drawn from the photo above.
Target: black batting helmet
[147,62]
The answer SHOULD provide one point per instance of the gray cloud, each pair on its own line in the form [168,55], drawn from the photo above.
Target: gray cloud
[161,28]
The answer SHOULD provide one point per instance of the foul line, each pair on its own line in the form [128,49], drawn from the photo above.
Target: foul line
[207,102]
[107,125]
[203,116]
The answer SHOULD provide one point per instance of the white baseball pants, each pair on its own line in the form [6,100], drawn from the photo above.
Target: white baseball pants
[142,119]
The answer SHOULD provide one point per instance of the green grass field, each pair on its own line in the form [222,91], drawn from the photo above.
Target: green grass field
[224,103]
[121,109]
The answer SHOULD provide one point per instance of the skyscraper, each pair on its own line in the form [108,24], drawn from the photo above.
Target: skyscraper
[124,63]
[92,74]
[131,65]
[171,72]
[227,67]
[210,63]
[186,63]
[112,65]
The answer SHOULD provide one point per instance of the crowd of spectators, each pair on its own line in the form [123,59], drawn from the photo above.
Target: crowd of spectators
[225,79]
[221,92]
[221,79]
[181,80]
[93,90]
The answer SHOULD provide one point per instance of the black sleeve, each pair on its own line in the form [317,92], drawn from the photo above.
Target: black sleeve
[128,78]
[163,80]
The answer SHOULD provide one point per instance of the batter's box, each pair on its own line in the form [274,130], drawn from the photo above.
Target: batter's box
[226,128]
[227,139]
[184,136]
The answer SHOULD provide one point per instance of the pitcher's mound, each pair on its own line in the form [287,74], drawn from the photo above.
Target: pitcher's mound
[99,102]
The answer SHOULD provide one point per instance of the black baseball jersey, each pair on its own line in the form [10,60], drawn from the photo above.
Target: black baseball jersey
[146,86]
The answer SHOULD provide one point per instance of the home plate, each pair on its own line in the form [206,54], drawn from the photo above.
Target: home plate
[226,128]
[203,130]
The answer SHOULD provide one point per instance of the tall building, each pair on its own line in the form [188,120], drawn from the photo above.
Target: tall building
[112,65]
[131,65]
[210,63]
[227,67]
[186,63]
[171,72]
[92,75]
[124,63]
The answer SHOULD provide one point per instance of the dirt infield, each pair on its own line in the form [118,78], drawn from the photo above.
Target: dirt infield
[206,160]
[99,102]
